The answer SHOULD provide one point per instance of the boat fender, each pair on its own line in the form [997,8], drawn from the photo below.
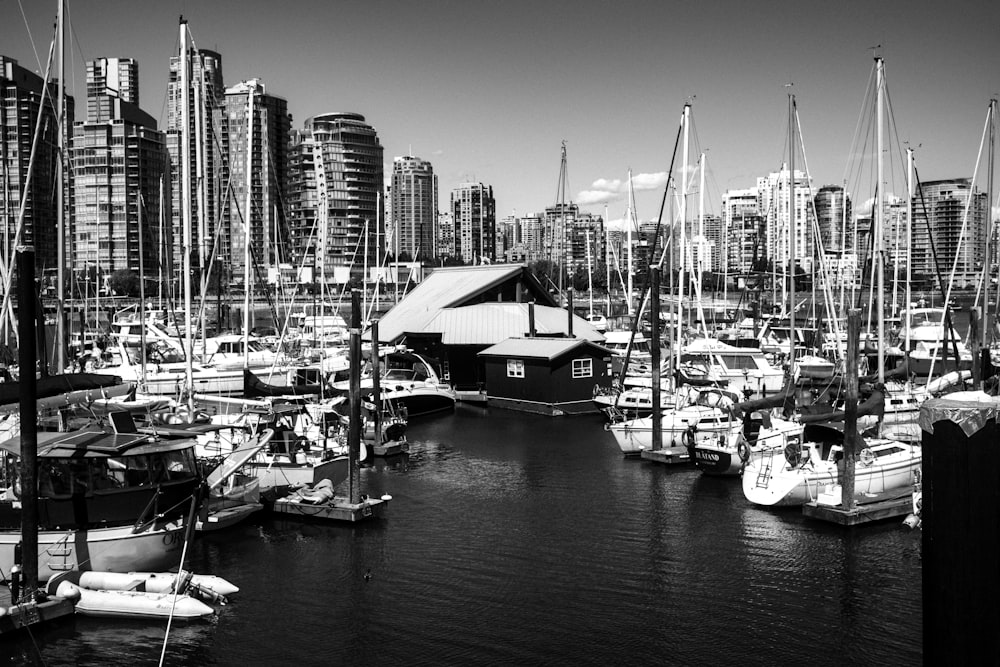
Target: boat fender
[688,437]
[793,454]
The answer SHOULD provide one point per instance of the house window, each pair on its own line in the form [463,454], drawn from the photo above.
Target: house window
[515,368]
[583,368]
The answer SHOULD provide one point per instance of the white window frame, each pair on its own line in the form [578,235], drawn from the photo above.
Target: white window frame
[515,368]
[583,368]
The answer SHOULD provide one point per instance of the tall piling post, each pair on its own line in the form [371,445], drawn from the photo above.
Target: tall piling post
[959,516]
[354,427]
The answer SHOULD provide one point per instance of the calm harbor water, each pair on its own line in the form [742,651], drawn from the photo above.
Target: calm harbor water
[518,539]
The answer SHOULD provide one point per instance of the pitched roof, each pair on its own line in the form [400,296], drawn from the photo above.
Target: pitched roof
[489,323]
[449,287]
[538,348]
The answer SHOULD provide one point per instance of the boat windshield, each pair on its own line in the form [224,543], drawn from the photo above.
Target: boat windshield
[925,318]
[62,476]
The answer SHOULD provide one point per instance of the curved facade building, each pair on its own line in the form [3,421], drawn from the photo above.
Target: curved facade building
[831,205]
[335,181]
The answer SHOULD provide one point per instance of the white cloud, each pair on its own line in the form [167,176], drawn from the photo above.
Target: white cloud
[653,181]
[591,197]
[606,190]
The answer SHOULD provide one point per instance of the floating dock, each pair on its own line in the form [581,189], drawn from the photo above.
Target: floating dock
[338,509]
[14,618]
[888,506]
[390,448]
[667,455]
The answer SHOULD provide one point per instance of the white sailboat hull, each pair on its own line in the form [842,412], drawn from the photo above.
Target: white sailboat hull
[118,549]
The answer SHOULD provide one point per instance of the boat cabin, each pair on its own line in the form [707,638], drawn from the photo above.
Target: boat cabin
[93,479]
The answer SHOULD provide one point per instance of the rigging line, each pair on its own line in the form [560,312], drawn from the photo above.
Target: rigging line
[7,272]
[861,117]
[38,62]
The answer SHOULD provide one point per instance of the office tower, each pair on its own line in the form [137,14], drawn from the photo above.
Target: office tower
[414,210]
[264,175]
[120,164]
[335,189]
[109,79]
[204,156]
[939,211]
[473,210]
[20,106]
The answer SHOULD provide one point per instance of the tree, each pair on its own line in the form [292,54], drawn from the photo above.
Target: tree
[124,282]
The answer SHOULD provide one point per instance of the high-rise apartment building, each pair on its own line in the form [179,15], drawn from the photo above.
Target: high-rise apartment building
[251,119]
[204,157]
[414,210]
[445,234]
[110,79]
[473,210]
[120,166]
[773,195]
[20,105]
[939,209]
[744,230]
[335,188]
[834,219]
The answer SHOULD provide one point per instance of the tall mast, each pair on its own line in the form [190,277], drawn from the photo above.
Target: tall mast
[247,216]
[791,232]
[909,244]
[685,122]
[607,261]
[186,210]
[879,222]
[60,342]
[628,242]
[561,254]
[990,242]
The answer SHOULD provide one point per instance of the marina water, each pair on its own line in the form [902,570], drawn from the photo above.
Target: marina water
[518,539]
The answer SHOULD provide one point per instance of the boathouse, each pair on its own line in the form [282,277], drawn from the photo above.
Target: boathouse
[457,312]
[550,376]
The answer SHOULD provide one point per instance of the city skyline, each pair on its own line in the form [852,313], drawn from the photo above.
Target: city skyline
[488,92]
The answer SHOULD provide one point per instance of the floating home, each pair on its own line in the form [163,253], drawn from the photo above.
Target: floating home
[549,376]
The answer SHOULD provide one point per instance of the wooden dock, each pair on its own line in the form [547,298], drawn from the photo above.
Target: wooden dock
[14,618]
[667,455]
[889,506]
[338,509]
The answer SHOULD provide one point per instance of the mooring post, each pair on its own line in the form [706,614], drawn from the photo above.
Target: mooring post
[851,408]
[354,426]
[960,514]
[654,333]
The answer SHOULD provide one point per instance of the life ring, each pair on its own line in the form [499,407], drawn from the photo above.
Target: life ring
[867,457]
[743,449]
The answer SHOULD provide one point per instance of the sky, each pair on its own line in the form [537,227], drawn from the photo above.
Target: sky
[488,91]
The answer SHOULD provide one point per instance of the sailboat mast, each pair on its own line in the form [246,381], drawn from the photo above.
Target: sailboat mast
[186,210]
[60,342]
[685,122]
[791,232]
[590,277]
[909,244]
[607,260]
[879,223]
[247,213]
[628,241]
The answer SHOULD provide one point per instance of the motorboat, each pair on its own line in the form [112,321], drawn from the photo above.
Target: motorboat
[803,470]
[409,380]
[231,351]
[106,501]
[928,346]
[745,370]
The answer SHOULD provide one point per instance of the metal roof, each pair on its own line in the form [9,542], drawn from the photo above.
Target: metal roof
[445,287]
[490,323]
[538,348]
